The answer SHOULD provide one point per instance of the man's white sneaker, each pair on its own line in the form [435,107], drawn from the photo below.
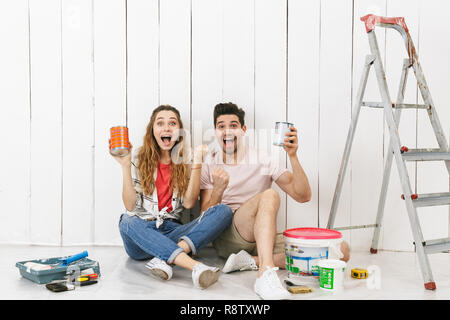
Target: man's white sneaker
[159,268]
[239,261]
[269,287]
[204,276]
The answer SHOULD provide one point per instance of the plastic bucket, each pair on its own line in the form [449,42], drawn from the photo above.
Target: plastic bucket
[331,276]
[305,247]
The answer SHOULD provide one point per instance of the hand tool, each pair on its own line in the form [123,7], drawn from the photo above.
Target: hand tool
[87,282]
[297,288]
[359,273]
[86,277]
[58,286]
[67,260]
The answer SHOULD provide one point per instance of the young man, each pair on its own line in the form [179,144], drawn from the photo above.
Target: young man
[241,176]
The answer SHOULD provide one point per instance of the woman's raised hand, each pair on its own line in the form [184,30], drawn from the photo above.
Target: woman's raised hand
[124,161]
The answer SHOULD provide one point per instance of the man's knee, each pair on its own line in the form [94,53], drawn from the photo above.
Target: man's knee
[271,196]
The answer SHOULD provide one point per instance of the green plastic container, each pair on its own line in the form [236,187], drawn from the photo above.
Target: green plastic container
[58,272]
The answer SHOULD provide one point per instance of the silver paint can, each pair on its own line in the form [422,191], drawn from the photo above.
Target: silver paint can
[281,128]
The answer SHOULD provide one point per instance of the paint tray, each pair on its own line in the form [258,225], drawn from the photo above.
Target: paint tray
[58,272]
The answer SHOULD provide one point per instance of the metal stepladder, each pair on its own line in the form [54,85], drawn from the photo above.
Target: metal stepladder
[396,150]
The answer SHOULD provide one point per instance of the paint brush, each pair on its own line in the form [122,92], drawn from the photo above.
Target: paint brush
[297,288]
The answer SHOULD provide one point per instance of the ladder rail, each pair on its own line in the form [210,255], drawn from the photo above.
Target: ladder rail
[351,132]
[401,167]
[389,158]
[434,119]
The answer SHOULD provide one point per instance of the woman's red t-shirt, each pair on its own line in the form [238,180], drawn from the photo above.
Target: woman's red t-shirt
[162,186]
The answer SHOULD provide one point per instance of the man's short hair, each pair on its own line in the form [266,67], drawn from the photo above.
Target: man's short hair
[228,108]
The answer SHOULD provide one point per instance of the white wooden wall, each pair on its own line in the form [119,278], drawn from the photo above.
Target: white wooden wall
[71,69]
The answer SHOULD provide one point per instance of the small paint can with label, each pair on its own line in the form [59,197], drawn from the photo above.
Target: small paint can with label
[280,132]
[119,144]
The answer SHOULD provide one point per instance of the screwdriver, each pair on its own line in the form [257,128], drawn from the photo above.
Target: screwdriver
[87,277]
[87,282]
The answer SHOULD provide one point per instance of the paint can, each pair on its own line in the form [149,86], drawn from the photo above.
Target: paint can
[280,132]
[305,247]
[119,144]
[331,275]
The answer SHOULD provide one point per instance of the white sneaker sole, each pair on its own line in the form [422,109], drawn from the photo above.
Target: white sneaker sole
[207,278]
[229,263]
[228,267]
[161,274]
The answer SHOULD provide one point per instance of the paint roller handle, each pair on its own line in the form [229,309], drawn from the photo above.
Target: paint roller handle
[75,257]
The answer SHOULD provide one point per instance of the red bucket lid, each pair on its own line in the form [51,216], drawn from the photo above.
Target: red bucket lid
[312,233]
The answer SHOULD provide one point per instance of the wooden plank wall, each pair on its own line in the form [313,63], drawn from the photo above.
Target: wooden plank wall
[71,69]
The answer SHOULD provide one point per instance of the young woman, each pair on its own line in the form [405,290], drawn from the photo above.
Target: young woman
[155,190]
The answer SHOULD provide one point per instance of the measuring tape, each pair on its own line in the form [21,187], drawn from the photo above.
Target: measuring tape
[359,273]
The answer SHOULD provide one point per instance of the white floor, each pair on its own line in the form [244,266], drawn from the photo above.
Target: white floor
[123,278]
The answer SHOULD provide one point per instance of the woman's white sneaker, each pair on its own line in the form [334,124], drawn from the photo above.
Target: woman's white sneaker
[239,261]
[269,287]
[159,268]
[203,276]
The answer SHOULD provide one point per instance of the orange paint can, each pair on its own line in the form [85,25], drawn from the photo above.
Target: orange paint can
[119,144]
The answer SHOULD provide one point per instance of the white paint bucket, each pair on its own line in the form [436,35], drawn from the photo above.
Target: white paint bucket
[305,247]
[331,275]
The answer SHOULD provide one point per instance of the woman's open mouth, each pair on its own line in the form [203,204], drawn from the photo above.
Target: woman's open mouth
[166,139]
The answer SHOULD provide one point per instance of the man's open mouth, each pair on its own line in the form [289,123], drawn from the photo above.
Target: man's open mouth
[229,141]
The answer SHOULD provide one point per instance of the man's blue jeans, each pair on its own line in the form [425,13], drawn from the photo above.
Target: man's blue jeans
[142,240]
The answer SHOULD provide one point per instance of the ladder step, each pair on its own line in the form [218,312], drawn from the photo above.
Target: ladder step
[425,155]
[394,105]
[430,199]
[364,226]
[436,245]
